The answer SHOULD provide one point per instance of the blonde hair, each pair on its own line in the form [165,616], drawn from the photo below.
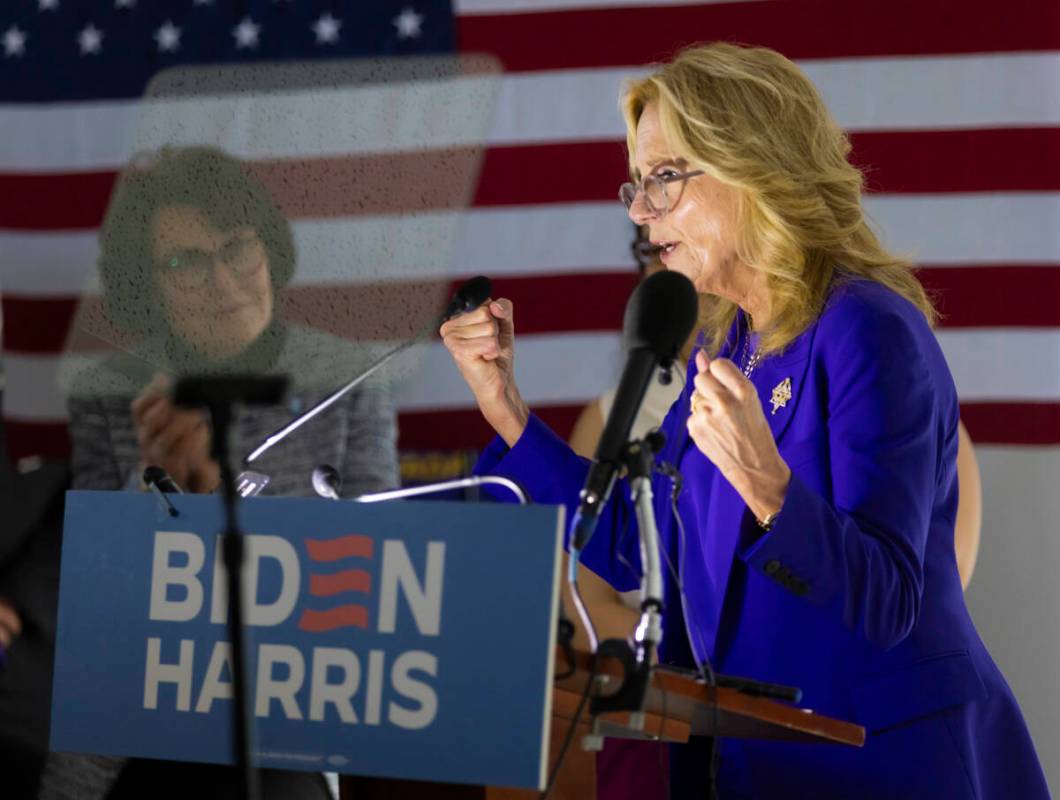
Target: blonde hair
[750,118]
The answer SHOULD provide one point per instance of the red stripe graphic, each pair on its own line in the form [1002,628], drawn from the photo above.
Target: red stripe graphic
[586,38]
[347,616]
[352,546]
[568,172]
[463,429]
[349,580]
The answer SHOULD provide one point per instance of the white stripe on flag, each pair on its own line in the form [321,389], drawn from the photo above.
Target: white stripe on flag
[988,366]
[1004,364]
[878,94]
[559,238]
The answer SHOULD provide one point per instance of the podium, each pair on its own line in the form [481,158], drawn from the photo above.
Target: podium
[372,650]
[676,707]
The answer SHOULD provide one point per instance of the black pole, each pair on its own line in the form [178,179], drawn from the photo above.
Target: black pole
[220,394]
[233,547]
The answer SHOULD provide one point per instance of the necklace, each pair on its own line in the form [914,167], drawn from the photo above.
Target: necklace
[750,360]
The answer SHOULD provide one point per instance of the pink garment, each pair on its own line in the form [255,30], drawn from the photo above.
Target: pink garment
[628,769]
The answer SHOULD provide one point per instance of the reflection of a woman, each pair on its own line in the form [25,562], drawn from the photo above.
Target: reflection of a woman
[816,438]
[193,252]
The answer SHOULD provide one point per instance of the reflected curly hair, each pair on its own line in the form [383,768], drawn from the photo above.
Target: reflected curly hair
[750,118]
[205,178]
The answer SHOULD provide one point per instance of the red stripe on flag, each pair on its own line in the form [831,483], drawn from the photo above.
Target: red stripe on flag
[997,160]
[48,440]
[978,297]
[568,172]
[547,304]
[615,37]
[348,616]
[37,325]
[462,429]
[352,546]
[349,580]
[54,201]
[1012,423]
[966,296]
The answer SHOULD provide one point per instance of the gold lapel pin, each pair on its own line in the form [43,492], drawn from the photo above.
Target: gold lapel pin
[781,394]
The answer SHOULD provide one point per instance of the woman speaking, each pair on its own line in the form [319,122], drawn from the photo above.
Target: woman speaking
[816,438]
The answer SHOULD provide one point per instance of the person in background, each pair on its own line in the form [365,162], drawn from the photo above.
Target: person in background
[816,436]
[193,253]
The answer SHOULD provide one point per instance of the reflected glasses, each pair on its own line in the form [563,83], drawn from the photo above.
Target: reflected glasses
[661,192]
[190,269]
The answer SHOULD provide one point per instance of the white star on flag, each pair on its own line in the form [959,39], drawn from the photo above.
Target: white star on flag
[47,5]
[246,33]
[14,42]
[327,29]
[168,37]
[408,24]
[90,39]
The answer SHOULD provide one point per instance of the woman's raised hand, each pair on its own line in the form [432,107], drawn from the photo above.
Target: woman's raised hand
[482,345]
[175,439]
[729,427]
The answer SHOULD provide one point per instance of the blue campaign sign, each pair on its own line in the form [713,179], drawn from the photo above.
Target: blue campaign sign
[406,640]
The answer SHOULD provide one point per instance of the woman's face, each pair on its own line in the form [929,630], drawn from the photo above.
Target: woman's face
[215,285]
[699,232]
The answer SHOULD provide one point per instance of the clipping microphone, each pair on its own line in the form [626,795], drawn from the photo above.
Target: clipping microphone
[660,316]
[327,481]
[156,476]
[469,296]
[158,481]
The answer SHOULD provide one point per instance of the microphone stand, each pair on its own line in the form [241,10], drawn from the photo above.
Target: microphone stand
[219,395]
[445,486]
[636,660]
[469,296]
[279,435]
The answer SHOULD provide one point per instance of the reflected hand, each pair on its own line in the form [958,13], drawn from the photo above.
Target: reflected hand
[175,439]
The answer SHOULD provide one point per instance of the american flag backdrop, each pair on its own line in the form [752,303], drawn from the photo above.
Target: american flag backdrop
[953,108]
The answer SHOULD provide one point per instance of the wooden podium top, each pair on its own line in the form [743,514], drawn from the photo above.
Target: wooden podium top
[678,706]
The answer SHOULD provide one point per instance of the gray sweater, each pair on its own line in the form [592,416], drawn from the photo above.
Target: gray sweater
[356,436]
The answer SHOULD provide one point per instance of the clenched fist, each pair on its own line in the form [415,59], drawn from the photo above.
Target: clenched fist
[482,344]
[729,427]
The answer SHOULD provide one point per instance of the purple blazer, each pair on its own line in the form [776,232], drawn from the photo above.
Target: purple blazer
[854,594]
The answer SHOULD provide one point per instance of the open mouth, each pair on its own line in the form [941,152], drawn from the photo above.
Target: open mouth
[665,249]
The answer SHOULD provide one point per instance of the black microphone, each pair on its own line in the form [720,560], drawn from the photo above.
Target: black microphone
[659,318]
[469,296]
[156,476]
[327,481]
[158,481]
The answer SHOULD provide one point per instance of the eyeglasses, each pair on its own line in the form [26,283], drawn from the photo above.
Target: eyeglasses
[661,192]
[190,269]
